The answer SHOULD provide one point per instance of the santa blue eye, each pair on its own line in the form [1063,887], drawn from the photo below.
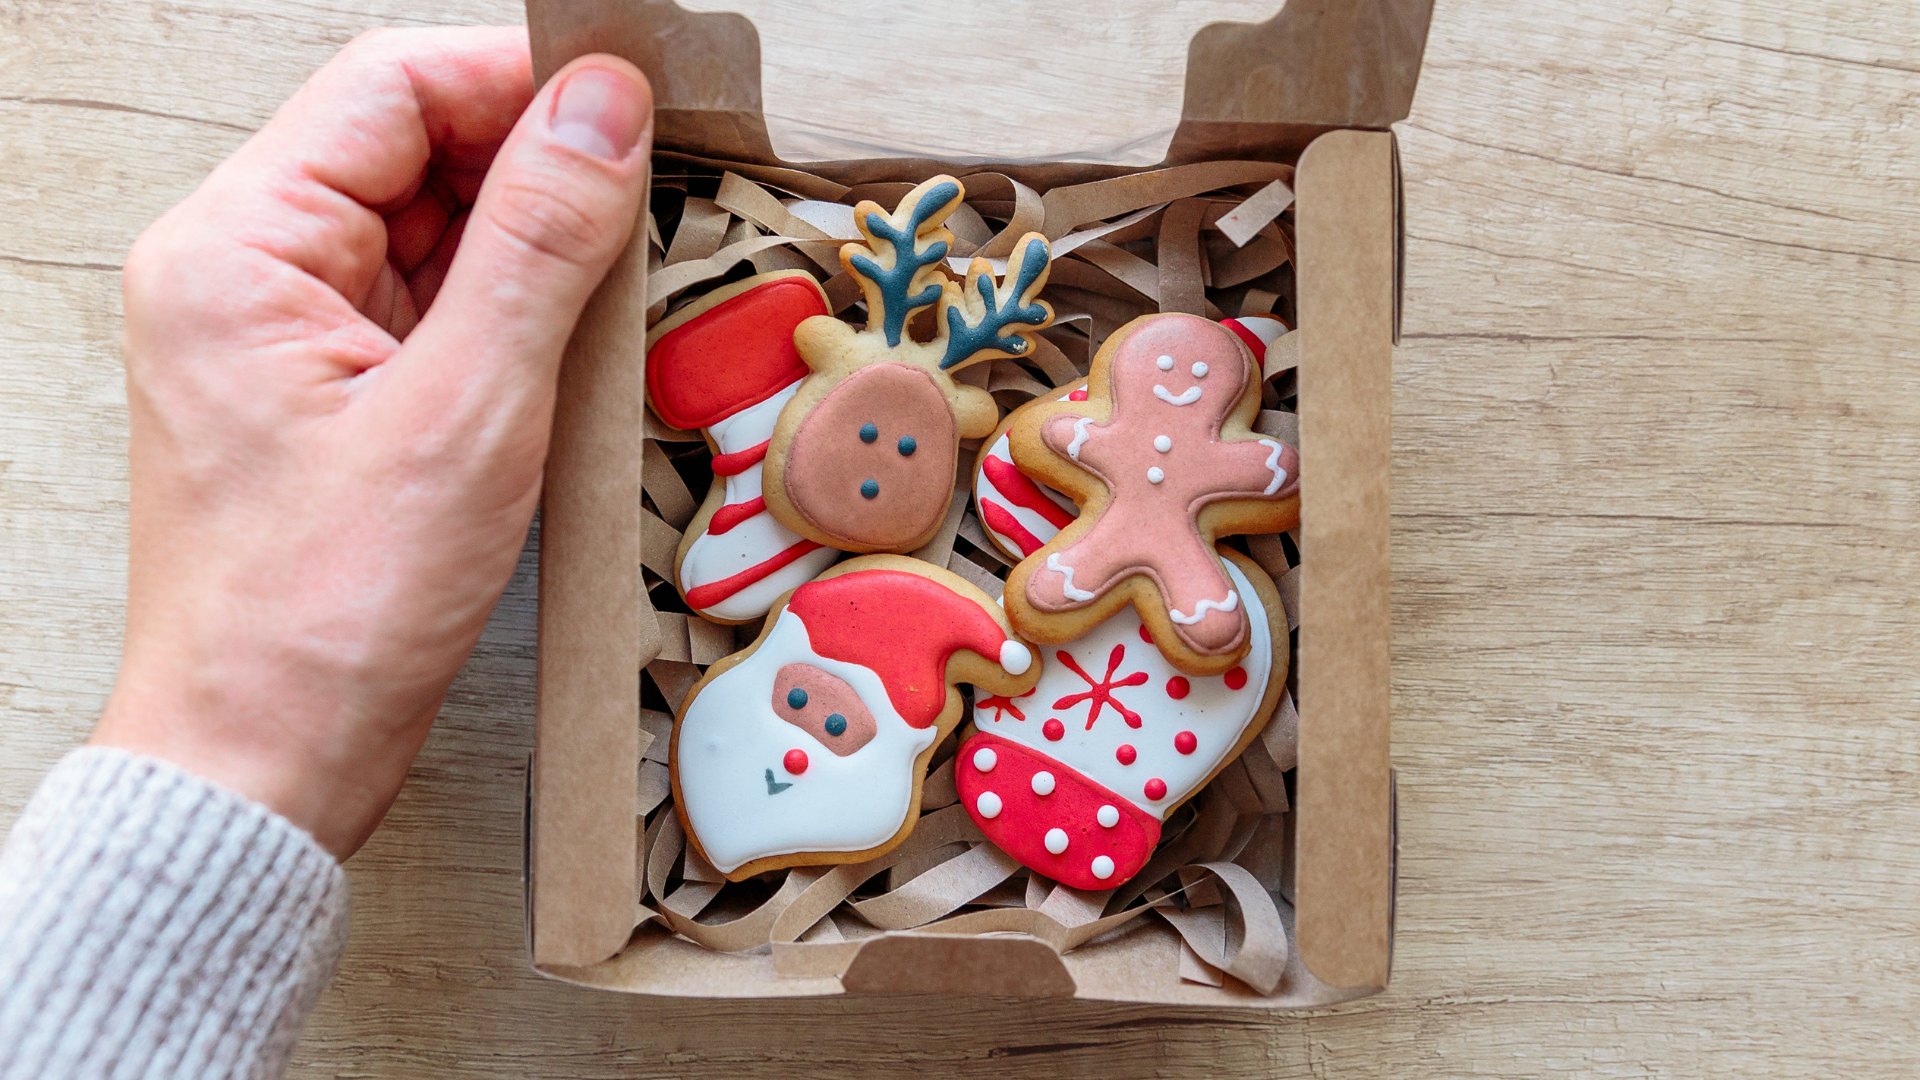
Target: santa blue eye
[908,446]
[836,724]
[870,488]
[869,432]
[796,698]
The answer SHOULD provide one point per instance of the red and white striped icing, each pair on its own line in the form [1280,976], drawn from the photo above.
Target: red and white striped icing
[1019,514]
[1110,724]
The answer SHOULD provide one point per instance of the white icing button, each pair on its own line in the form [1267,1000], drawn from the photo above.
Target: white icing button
[1043,783]
[1162,443]
[1165,363]
[988,804]
[1156,474]
[1102,867]
[1107,816]
[1015,658]
[1056,840]
[1199,371]
[984,759]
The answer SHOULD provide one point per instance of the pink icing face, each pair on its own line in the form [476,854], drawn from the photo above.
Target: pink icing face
[824,706]
[872,464]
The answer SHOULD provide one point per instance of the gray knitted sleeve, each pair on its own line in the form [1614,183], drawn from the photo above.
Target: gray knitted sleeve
[153,924]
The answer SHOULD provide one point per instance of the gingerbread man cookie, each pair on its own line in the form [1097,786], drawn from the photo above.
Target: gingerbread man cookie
[810,745]
[726,364]
[1161,460]
[863,456]
[1075,777]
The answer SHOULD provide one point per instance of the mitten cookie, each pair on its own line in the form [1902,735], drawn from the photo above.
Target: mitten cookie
[1161,460]
[1020,515]
[810,745]
[863,456]
[726,364]
[1074,778]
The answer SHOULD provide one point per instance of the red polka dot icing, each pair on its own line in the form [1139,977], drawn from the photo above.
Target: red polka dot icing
[1125,754]
[1186,742]
[795,762]
[1178,686]
[1156,789]
[1054,730]
[1061,834]
[1235,679]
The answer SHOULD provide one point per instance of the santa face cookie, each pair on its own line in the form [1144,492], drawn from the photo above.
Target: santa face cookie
[810,746]
[726,364]
[1074,778]
[1161,460]
[863,456]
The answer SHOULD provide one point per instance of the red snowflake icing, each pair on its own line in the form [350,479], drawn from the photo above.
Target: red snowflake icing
[1003,705]
[1102,689]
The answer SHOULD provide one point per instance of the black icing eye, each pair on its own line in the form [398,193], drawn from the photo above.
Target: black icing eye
[869,432]
[796,698]
[870,488]
[836,724]
[908,446]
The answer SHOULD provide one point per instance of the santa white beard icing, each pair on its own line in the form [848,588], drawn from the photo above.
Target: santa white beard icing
[1074,778]
[810,746]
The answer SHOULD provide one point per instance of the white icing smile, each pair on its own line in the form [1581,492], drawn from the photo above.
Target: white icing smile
[1187,397]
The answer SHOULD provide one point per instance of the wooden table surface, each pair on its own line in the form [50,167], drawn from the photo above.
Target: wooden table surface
[1656,672]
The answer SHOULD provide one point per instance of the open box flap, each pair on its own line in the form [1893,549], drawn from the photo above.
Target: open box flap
[1315,66]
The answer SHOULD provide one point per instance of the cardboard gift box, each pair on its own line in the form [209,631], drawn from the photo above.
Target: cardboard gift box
[1317,86]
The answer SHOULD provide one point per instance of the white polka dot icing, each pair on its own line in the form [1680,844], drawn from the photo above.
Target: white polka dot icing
[1043,783]
[1108,816]
[1102,867]
[984,759]
[1199,370]
[1156,474]
[988,804]
[1162,443]
[1056,840]
[1165,363]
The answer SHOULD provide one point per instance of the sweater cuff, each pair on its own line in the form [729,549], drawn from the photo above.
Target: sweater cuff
[153,923]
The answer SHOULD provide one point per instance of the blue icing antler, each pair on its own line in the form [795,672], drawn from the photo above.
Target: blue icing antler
[912,254]
[1026,274]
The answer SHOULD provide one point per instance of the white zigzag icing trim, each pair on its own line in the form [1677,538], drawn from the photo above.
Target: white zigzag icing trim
[1200,609]
[1079,437]
[1066,586]
[1273,462]
[1187,397]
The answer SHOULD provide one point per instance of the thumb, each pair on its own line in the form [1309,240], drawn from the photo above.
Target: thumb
[555,210]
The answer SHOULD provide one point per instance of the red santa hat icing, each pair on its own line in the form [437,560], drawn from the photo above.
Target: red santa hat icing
[737,354]
[903,627]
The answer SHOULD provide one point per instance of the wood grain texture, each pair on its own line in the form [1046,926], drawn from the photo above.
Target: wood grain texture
[1655,669]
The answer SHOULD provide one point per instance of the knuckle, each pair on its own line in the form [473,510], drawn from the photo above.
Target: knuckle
[551,219]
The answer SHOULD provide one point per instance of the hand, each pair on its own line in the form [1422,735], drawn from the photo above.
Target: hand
[341,354]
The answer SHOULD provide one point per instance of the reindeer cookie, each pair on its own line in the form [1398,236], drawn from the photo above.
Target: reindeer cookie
[1162,461]
[810,745]
[863,456]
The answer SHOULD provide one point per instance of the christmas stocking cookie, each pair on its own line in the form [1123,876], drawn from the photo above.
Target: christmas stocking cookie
[1161,460]
[726,365]
[810,745]
[1019,514]
[1074,778]
[863,456]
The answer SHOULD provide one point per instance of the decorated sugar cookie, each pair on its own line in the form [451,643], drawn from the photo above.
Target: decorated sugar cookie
[726,365]
[863,456]
[1074,777]
[1161,460]
[1020,514]
[810,745]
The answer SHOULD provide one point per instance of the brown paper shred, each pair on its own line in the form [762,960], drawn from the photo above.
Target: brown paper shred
[1282,735]
[1073,274]
[655,786]
[1271,554]
[1038,888]
[1007,375]
[658,542]
[1247,219]
[1266,775]
[1289,584]
[1124,266]
[676,277]
[659,479]
[938,790]
[673,677]
[1265,855]
[1072,907]
[708,642]
[1282,425]
[804,185]
[1256,956]
[1026,215]
[702,227]
[1283,354]
[749,200]
[1182,272]
[657,430]
[695,867]
[943,889]
[843,291]
[971,531]
[779,258]
[675,647]
[1257,302]
[1257,259]
[1048,358]
[1067,208]
[1234,783]
[746,932]
[653,232]
[920,862]
[970,231]
[825,892]
[691,898]
[658,727]
[974,573]
[1195,970]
